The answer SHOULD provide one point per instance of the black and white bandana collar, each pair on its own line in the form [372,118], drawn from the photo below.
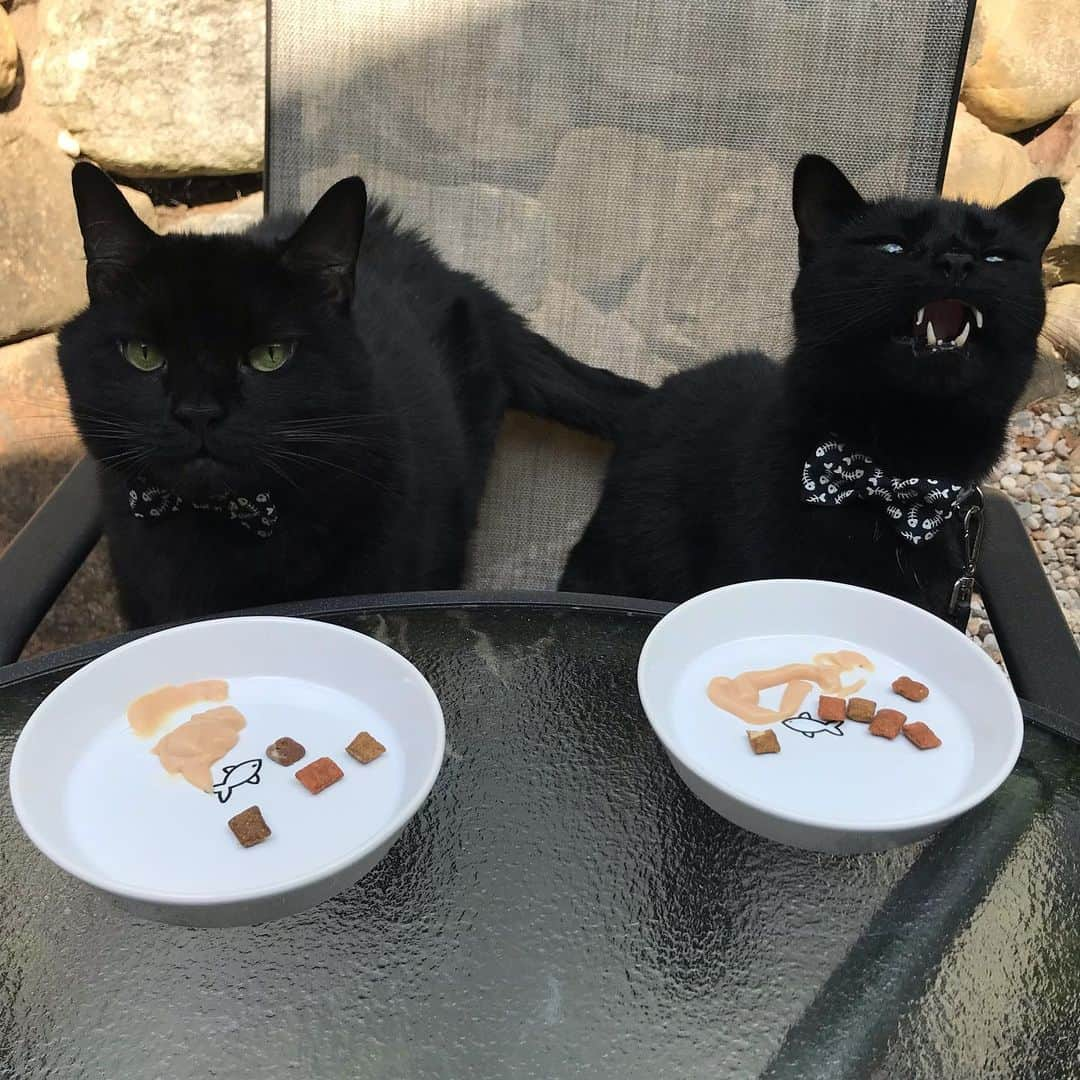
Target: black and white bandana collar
[917,508]
[257,513]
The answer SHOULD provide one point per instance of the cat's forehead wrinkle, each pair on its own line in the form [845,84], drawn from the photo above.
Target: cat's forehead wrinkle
[215,294]
[937,224]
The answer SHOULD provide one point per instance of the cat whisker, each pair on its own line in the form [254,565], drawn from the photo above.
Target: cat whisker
[312,460]
[269,462]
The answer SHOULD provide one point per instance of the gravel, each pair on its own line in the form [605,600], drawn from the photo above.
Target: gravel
[1041,474]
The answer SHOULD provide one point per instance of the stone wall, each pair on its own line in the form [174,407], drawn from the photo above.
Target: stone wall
[1019,119]
[169,98]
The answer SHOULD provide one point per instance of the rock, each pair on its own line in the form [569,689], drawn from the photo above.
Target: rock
[155,88]
[984,167]
[1056,152]
[1047,380]
[1024,422]
[604,196]
[9,56]
[37,447]
[34,415]
[594,336]
[1060,336]
[41,256]
[1021,65]
[228,217]
[1062,261]
[67,142]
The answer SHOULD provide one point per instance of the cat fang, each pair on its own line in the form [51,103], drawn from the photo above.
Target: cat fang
[943,326]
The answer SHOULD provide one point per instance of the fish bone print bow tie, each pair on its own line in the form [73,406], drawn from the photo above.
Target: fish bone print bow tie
[257,514]
[916,508]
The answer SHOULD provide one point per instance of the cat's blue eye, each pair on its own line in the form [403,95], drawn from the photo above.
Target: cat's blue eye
[994,258]
[267,358]
[142,355]
[891,247]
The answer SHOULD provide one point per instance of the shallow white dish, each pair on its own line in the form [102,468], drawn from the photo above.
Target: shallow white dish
[838,793]
[95,800]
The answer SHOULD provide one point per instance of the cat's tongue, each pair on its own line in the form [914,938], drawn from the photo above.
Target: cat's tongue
[946,316]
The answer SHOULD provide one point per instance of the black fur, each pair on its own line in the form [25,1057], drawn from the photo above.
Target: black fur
[374,437]
[704,488]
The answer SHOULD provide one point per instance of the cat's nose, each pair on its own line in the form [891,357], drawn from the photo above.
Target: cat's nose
[198,415]
[955,264]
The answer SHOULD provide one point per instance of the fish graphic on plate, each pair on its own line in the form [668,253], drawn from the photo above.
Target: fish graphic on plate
[234,776]
[807,725]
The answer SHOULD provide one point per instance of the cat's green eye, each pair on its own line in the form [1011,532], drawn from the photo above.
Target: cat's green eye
[141,355]
[891,247]
[267,358]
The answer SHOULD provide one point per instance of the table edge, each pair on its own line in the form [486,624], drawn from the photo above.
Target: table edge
[48,663]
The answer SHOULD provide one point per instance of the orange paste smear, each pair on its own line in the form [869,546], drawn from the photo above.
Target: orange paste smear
[195,745]
[146,714]
[740,695]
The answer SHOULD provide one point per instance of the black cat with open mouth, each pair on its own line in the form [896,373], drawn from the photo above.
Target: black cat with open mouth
[857,459]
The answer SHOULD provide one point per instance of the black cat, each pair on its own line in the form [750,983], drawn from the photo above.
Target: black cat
[277,419]
[915,329]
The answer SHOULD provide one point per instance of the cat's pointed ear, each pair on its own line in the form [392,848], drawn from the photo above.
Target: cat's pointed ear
[114,238]
[328,242]
[1035,208]
[823,198]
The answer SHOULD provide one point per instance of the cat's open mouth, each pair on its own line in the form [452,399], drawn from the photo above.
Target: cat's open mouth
[945,324]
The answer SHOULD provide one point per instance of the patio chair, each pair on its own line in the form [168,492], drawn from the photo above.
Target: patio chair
[621,171]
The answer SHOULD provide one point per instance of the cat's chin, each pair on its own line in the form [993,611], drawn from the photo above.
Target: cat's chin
[197,478]
[937,372]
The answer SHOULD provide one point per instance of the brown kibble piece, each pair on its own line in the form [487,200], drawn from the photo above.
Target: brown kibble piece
[887,723]
[833,710]
[861,709]
[764,742]
[285,751]
[319,775]
[365,748]
[921,736]
[910,689]
[249,827]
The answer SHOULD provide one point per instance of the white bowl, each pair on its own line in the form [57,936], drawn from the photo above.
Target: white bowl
[843,793]
[95,800]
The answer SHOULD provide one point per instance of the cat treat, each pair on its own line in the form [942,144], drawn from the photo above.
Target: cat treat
[833,710]
[910,689]
[887,723]
[861,709]
[249,827]
[285,751]
[365,748]
[921,736]
[764,742]
[319,775]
